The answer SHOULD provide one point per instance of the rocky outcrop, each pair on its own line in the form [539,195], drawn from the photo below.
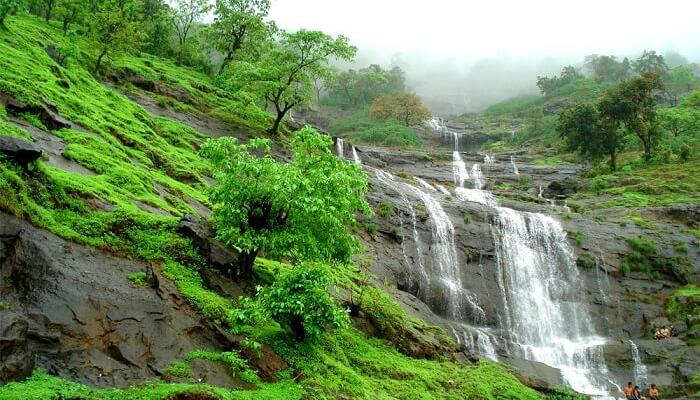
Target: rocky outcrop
[71,311]
[19,150]
[214,252]
[47,112]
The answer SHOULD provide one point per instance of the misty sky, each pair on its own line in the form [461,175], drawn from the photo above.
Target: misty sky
[477,52]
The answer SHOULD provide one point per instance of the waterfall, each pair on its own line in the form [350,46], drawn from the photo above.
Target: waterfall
[540,192]
[443,189]
[446,268]
[459,170]
[339,147]
[640,370]
[515,167]
[545,318]
[477,176]
[489,160]
[355,157]
[425,184]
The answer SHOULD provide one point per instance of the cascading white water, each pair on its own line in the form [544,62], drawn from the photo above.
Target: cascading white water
[442,189]
[544,316]
[339,147]
[640,370]
[477,176]
[489,160]
[445,262]
[459,170]
[540,192]
[425,184]
[355,157]
[513,166]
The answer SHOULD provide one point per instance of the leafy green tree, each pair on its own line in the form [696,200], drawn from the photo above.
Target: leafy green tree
[301,210]
[154,18]
[300,300]
[238,24]
[70,11]
[113,28]
[49,6]
[549,85]
[9,7]
[633,103]
[591,134]
[649,61]
[607,68]
[362,87]
[284,75]
[679,121]
[404,108]
[184,16]
[680,80]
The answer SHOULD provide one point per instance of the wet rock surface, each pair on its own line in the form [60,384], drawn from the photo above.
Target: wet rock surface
[71,310]
[19,150]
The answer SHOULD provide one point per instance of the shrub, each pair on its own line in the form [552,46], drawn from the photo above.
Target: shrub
[179,369]
[371,228]
[300,301]
[387,134]
[602,182]
[684,153]
[385,209]
[138,278]
[467,219]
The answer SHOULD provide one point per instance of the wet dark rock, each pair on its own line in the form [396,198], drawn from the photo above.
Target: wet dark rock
[70,310]
[534,374]
[216,253]
[561,189]
[554,107]
[19,150]
[47,112]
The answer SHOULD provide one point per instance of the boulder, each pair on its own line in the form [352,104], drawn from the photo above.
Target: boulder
[534,374]
[19,150]
[215,252]
[561,189]
[47,112]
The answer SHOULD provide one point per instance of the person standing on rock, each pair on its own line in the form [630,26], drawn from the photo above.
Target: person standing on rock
[654,393]
[638,394]
[629,391]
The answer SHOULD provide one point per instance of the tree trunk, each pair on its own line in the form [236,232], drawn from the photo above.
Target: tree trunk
[226,61]
[278,121]
[613,160]
[246,261]
[98,64]
[297,325]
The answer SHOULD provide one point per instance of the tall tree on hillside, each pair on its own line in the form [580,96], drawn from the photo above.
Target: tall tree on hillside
[404,108]
[633,103]
[301,210]
[154,18]
[48,8]
[70,11]
[238,24]
[589,133]
[113,28]
[649,61]
[284,75]
[9,7]
[185,14]
[680,80]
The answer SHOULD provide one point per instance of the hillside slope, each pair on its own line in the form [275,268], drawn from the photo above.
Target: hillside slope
[104,293]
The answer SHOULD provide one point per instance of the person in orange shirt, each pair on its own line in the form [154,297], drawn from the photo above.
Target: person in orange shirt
[629,391]
[654,393]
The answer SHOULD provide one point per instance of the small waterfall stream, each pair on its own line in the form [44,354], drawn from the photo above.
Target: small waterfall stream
[640,370]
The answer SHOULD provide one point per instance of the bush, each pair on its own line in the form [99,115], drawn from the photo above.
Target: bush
[684,153]
[385,209]
[602,182]
[388,134]
[300,301]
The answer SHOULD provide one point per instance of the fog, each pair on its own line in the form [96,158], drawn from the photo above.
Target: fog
[462,56]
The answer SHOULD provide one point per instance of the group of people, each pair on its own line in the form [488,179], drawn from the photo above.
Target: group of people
[664,332]
[635,393]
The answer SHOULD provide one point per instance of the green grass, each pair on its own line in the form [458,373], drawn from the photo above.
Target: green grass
[388,135]
[41,386]
[515,105]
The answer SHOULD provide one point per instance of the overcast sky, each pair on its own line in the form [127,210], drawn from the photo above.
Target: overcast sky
[435,38]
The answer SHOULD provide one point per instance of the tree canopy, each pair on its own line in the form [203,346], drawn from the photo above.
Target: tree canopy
[361,87]
[404,108]
[239,25]
[284,76]
[301,210]
[113,28]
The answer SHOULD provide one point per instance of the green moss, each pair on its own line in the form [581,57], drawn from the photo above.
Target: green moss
[138,278]
[179,369]
[384,209]
[684,302]
[41,386]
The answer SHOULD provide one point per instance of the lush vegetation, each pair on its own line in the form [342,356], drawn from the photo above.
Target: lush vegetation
[404,108]
[301,210]
[388,134]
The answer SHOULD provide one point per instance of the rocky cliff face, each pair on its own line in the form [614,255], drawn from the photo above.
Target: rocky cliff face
[623,309]
[71,311]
